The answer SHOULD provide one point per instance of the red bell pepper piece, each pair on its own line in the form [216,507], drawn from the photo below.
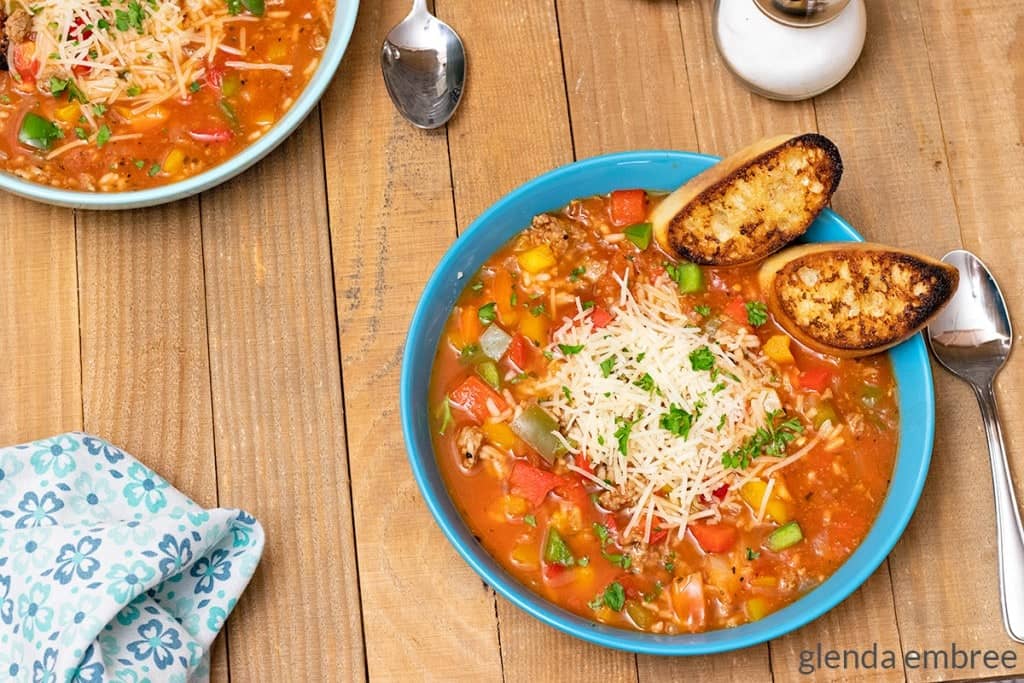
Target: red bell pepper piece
[737,310]
[816,379]
[714,538]
[472,396]
[599,317]
[518,352]
[628,207]
[658,535]
[24,63]
[214,77]
[533,483]
[211,135]
[581,462]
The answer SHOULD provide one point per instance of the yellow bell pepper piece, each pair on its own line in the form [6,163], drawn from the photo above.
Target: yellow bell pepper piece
[537,260]
[534,328]
[500,434]
[584,577]
[174,161]
[525,557]
[69,113]
[757,608]
[753,493]
[777,348]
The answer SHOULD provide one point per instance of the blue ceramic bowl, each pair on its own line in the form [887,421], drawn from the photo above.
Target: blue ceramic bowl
[657,171]
[344,20]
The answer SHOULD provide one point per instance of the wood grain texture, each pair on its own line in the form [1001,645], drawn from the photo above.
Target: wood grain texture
[428,617]
[976,55]
[40,386]
[488,161]
[145,373]
[625,74]
[278,417]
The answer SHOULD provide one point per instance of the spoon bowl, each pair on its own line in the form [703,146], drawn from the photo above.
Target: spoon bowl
[424,65]
[971,338]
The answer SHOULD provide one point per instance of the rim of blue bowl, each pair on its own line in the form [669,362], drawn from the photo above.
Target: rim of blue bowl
[345,12]
[917,428]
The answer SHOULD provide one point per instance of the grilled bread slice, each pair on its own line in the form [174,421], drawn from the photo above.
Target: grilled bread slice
[854,299]
[751,204]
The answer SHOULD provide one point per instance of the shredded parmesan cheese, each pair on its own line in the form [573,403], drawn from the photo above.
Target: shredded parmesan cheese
[624,382]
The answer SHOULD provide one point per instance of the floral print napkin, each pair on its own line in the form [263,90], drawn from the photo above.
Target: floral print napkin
[107,573]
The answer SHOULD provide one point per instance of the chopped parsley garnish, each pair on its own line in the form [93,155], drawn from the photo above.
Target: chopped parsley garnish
[487,313]
[587,305]
[102,135]
[80,133]
[99,109]
[702,359]
[469,351]
[567,393]
[703,310]
[677,421]
[530,520]
[622,433]
[607,365]
[194,86]
[576,273]
[570,349]
[153,170]
[646,382]
[5,99]
[139,163]
[103,24]
[133,90]
[620,560]
[757,313]
[477,285]
[513,300]
[537,310]
[130,18]
[583,561]
[771,439]
[613,597]
[556,550]
[752,554]
[600,440]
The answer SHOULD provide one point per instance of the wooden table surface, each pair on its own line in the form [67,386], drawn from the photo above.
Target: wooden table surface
[247,343]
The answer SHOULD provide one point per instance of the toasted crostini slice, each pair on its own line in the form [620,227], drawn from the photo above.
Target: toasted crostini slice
[854,299]
[752,203]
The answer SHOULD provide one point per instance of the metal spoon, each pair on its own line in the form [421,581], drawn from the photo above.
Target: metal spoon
[971,337]
[424,65]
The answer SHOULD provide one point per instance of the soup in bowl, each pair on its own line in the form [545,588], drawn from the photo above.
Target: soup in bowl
[628,446]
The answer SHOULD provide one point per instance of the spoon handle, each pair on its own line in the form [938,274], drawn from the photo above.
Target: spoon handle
[1008,526]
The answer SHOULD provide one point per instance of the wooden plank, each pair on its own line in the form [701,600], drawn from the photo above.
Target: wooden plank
[976,54]
[626,77]
[389,189]
[40,387]
[146,377]
[278,417]
[488,161]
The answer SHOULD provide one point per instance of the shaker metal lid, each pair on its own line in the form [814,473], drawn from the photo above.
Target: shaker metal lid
[802,13]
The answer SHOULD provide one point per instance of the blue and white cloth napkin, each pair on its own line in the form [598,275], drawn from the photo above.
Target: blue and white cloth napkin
[107,573]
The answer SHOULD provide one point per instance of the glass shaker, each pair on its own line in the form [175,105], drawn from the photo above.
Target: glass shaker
[790,49]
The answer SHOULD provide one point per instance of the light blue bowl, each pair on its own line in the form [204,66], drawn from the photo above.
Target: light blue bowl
[344,20]
[657,171]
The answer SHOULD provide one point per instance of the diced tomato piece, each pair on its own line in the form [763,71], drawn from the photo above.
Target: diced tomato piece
[533,483]
[632,585]
[214,77]
[472,396]
[628,207]
[721,492]
[737,310]
[581,462]
[518,352]
[599,317]
[24,61]
[211,135]
[816,378]
[73,32]
[714,538]
[575,492]
[658,535]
